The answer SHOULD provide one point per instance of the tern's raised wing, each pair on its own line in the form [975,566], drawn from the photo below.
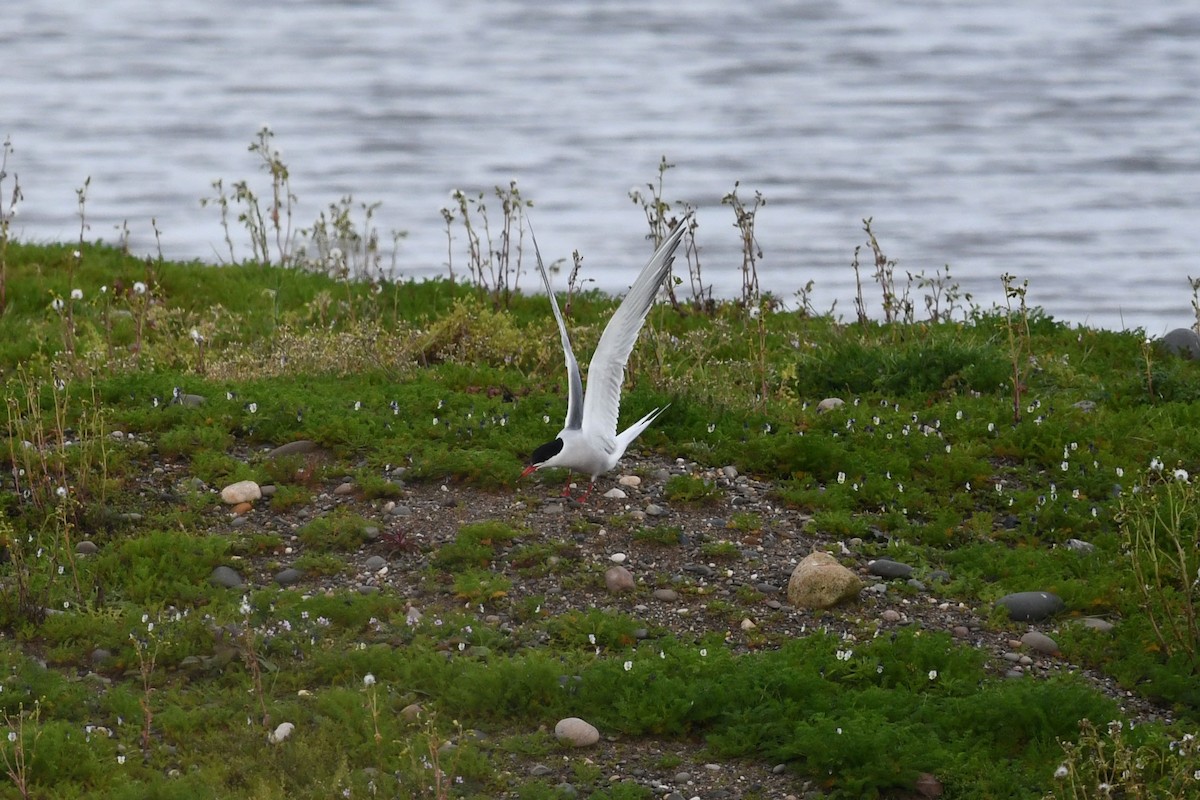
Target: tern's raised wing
[606,373]
[574,381]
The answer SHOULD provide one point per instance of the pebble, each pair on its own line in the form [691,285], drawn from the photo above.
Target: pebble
[615,494]
[411,712]
[730,472]
[1080,546]
[190,400]
[370,533]
[540,771]
[891,615]
[268,490]
[100,655]
[240,492]
[401,511]
[961,631]
[666,595]
[226,577]
[886,568]
[242,508]
[376,563]
[576,732]
[618,579]
[632,481]
[1031,606]
[1040,642]
[618,558]
[655,510]
[86,547]
[343,489]
[288,576]
[553,509]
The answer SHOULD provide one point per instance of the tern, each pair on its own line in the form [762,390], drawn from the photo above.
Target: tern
[589,442]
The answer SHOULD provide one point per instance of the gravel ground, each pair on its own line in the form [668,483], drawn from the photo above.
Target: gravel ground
[674,587]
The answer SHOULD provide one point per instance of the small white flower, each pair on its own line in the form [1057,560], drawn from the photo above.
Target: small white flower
[104,289]
[703,652]
[76,254]
[77,294]
[196,337]
[139,287]
[1120,472]
[1061,772]
[61,491]
[1156,464]
[933,674]
[1065,466]
[628,666]
[841,477]
[12,736]
[57,304]
[591,638]
[121,759]
[1181,475]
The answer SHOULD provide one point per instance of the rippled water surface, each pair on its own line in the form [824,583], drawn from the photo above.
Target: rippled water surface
[1059,142]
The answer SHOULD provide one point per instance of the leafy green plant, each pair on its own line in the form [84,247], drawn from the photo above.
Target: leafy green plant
[1158,528]
[661,535]
[474,545]
[338,530]
[690,489]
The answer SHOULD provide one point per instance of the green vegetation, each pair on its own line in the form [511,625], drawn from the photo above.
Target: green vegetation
[979,442]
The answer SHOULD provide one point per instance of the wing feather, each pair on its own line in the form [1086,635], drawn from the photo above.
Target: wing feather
[606,373]
[574,381]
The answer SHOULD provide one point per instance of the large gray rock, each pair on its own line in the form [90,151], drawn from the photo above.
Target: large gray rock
[226,577]
[296,448]
[1183,342]
[1031,606]
[819,581]
[575,731]
[886,568]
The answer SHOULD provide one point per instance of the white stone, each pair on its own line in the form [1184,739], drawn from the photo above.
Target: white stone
[829,404]
[576,732]
[283,731]
[241,492]
[632,481]
[615,494]
[618,558]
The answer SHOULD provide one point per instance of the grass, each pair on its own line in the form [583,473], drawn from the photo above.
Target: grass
[451,384]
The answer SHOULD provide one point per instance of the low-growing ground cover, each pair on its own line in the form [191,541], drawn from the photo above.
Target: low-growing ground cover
[399,562]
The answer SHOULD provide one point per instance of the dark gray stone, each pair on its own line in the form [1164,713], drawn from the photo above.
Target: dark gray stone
[226,577]
[86,548]
[376,563]
[1183,342]
[289,576]
[1031,606]
[886,568]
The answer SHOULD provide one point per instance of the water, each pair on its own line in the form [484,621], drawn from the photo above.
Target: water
[1057,142]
